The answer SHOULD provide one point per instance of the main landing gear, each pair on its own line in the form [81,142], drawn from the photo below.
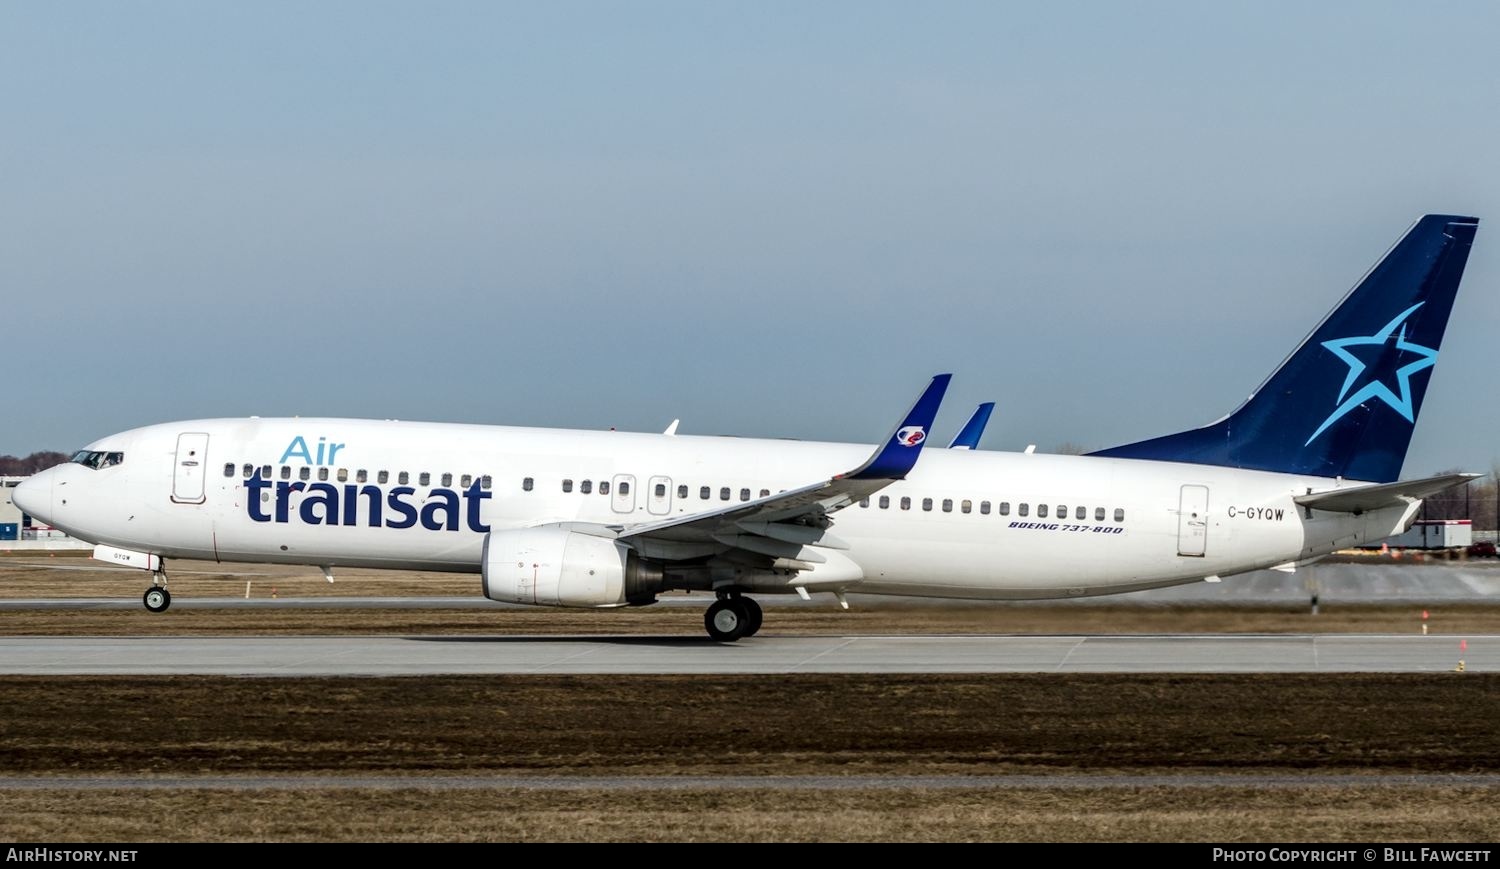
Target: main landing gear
[157,598]
[731,617]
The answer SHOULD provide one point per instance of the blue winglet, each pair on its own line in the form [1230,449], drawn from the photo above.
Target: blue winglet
[895,459]
[973,430]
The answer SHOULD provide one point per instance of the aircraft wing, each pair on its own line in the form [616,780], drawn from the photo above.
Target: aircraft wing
[1359,499]
[781,526]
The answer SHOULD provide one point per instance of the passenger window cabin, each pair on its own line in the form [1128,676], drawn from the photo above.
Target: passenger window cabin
[567,485]
[586,487]
[526,483]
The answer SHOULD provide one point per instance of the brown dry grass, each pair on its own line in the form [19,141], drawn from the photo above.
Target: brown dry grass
[64,575]
[1356,814]
[800,724]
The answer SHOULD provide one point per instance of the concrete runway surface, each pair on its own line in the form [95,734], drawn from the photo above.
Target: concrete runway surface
[430,655]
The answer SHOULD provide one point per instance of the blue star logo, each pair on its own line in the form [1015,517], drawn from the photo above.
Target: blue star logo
[1383,355]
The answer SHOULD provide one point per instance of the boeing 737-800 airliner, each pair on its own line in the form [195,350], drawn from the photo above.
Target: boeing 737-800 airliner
[1309,464]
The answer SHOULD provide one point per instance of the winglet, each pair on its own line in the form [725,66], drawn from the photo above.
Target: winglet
[898,454]
[973,430]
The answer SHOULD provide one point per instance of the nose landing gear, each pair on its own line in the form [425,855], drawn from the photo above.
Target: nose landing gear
[157,598]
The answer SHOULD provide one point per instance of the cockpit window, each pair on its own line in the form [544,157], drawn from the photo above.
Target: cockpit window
[96,459]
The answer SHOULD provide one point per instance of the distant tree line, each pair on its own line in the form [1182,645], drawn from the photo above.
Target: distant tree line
[10,466]
[1479,501]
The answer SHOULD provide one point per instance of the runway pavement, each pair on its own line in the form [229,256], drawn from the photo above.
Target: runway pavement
[431,655]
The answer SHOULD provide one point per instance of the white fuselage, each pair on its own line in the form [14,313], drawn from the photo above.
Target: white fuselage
[954,528]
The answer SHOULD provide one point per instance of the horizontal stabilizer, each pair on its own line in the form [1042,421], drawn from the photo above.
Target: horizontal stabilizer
[1360,499]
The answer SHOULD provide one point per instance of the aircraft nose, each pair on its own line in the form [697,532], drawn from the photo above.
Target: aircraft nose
[34,496]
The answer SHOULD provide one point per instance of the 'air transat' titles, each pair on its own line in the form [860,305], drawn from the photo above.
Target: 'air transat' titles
[354,504]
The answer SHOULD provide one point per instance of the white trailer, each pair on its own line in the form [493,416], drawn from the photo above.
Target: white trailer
[1435,534]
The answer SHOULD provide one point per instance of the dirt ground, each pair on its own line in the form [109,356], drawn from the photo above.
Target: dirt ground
[798,724]
[725,725]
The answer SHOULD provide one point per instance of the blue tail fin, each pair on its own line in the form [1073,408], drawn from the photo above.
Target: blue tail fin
[1346,400]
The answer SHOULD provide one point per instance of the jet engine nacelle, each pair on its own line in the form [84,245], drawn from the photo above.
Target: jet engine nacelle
[553,565]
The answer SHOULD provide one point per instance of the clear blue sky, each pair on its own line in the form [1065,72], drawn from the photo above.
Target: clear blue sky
[767,218]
